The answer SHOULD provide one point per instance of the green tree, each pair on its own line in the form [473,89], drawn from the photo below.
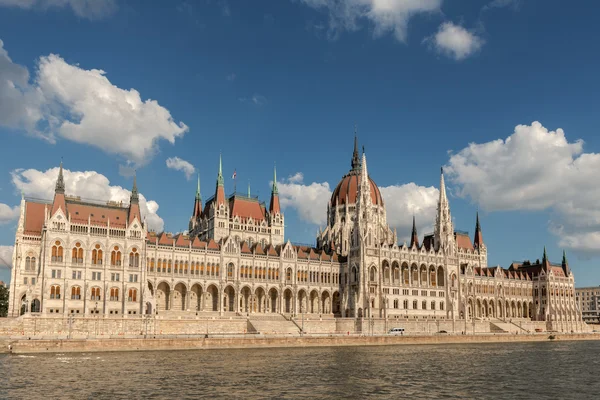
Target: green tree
[3,301]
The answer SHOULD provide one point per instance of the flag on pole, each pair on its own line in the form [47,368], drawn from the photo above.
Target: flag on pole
[234,174]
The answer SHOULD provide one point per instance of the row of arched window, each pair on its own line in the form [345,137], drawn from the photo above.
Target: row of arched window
[247,272]
[96,293]
[181,267]
[415,305]
[97,255]
[30,263]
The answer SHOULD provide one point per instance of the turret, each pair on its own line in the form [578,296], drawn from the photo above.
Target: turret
[197,213]
[478,240]
[545,261]
[414,238]
[134,203]
[444,231]
[274,207]
[59,193]
[220,190]
[565,264]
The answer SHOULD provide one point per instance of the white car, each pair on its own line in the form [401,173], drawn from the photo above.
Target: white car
[396,331]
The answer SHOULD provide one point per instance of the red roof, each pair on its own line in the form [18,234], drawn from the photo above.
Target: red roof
[348,186]
[246,208]
[98,215]
[34,217]
[212,245]
[463,241]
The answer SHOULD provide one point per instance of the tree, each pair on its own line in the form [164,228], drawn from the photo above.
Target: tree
[3,301]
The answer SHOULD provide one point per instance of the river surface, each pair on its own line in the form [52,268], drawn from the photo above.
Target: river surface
[560,370]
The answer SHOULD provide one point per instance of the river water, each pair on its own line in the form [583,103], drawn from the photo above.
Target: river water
[561,370]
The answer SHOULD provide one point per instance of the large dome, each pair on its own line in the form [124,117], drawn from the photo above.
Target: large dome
[348,187]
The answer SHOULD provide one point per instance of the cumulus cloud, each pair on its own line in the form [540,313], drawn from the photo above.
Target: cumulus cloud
[386,16]
[309,201]
[454,41]
[402,202]
[178,164]
[91,9]
[8,214]
[86,184]
[535,169]
[83,106]
[6,253]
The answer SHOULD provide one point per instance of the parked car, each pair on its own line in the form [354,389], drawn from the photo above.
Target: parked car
[396,331]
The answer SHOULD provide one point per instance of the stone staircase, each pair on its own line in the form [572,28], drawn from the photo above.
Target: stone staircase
[499,326]
[274,324]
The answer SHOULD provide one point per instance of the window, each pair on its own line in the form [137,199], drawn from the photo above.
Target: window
[77,254]
[115,277]
[33,281]
[57,252]
[56,273]
[25,281]
[132,295]
[134,259]
[115,257]
[133,278]
[442,305]
[76,274]
[76,293]
[433,305]
[97,255]
[95,294]
[96,276]
[114,294]
[424,305]
[405,304]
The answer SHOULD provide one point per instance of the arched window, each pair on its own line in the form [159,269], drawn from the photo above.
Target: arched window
[152,265]
[405,304]
[424,305]
[57,252]
[230,270]
[185,270]
[372,274]
[415,304]
[169,265]
[134,259]
[433,305]
[76,293]
[132,297]
[217,270]
[114,294]
[95,294]
[27,263]
[97,255]
[115,257]
[442,305]
[432,276]
[55,292]
[176,265]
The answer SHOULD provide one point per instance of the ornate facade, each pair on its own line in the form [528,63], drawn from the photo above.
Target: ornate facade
[77,257]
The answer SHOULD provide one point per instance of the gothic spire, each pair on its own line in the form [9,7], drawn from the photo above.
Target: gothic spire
[564,260]
[248,188]
[355,160]
[414,239]
[444,231]
[134,191]
[274,188]
[478,235]
[220,192]
[198,196]
[220,181]
[60,182]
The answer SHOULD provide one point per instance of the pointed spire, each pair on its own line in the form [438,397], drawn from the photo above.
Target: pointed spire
[60,182]
[274,188]
[545,254]
[220,181]
[198,196]
[442,186]
[134,191]
[248,188]
[564,260]
[478,235]
[444,230]
[414,240]
[355,160]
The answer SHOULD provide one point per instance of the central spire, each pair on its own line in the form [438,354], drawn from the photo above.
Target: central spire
[220,181]
[135,197]
[414,239]
[198,196]
[60,182]
[355,159]
[274,188]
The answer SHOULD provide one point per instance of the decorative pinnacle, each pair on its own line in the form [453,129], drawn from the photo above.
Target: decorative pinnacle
[477,226]
[198,197]
[134,191]
[545,254]
[355,160]
[220,176]
[564,260]
[248,188]
[274,189]
[60,182]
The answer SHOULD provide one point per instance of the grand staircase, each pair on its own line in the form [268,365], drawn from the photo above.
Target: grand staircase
[274,324]
[500,326]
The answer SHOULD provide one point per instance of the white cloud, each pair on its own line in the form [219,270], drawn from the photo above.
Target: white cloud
[6,253]
[387,16]
[535,169]
[87,185]
[401,201]
[83,106]
[404,201]
[514,4]
[91,9]
[8,214]
[310,201]
[455,41]
[178,164]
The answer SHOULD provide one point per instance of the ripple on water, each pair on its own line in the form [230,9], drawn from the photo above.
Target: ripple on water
[520,370]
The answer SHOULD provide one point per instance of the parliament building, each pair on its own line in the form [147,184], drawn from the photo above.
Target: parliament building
[76,257]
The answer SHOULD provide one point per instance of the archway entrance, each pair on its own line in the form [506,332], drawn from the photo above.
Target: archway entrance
[229,299]
[273,295]
[287,296]
[212,299]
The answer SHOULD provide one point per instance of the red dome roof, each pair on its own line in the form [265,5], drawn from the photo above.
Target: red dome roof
[348,186]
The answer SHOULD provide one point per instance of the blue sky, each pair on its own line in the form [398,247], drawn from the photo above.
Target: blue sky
[285,82]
